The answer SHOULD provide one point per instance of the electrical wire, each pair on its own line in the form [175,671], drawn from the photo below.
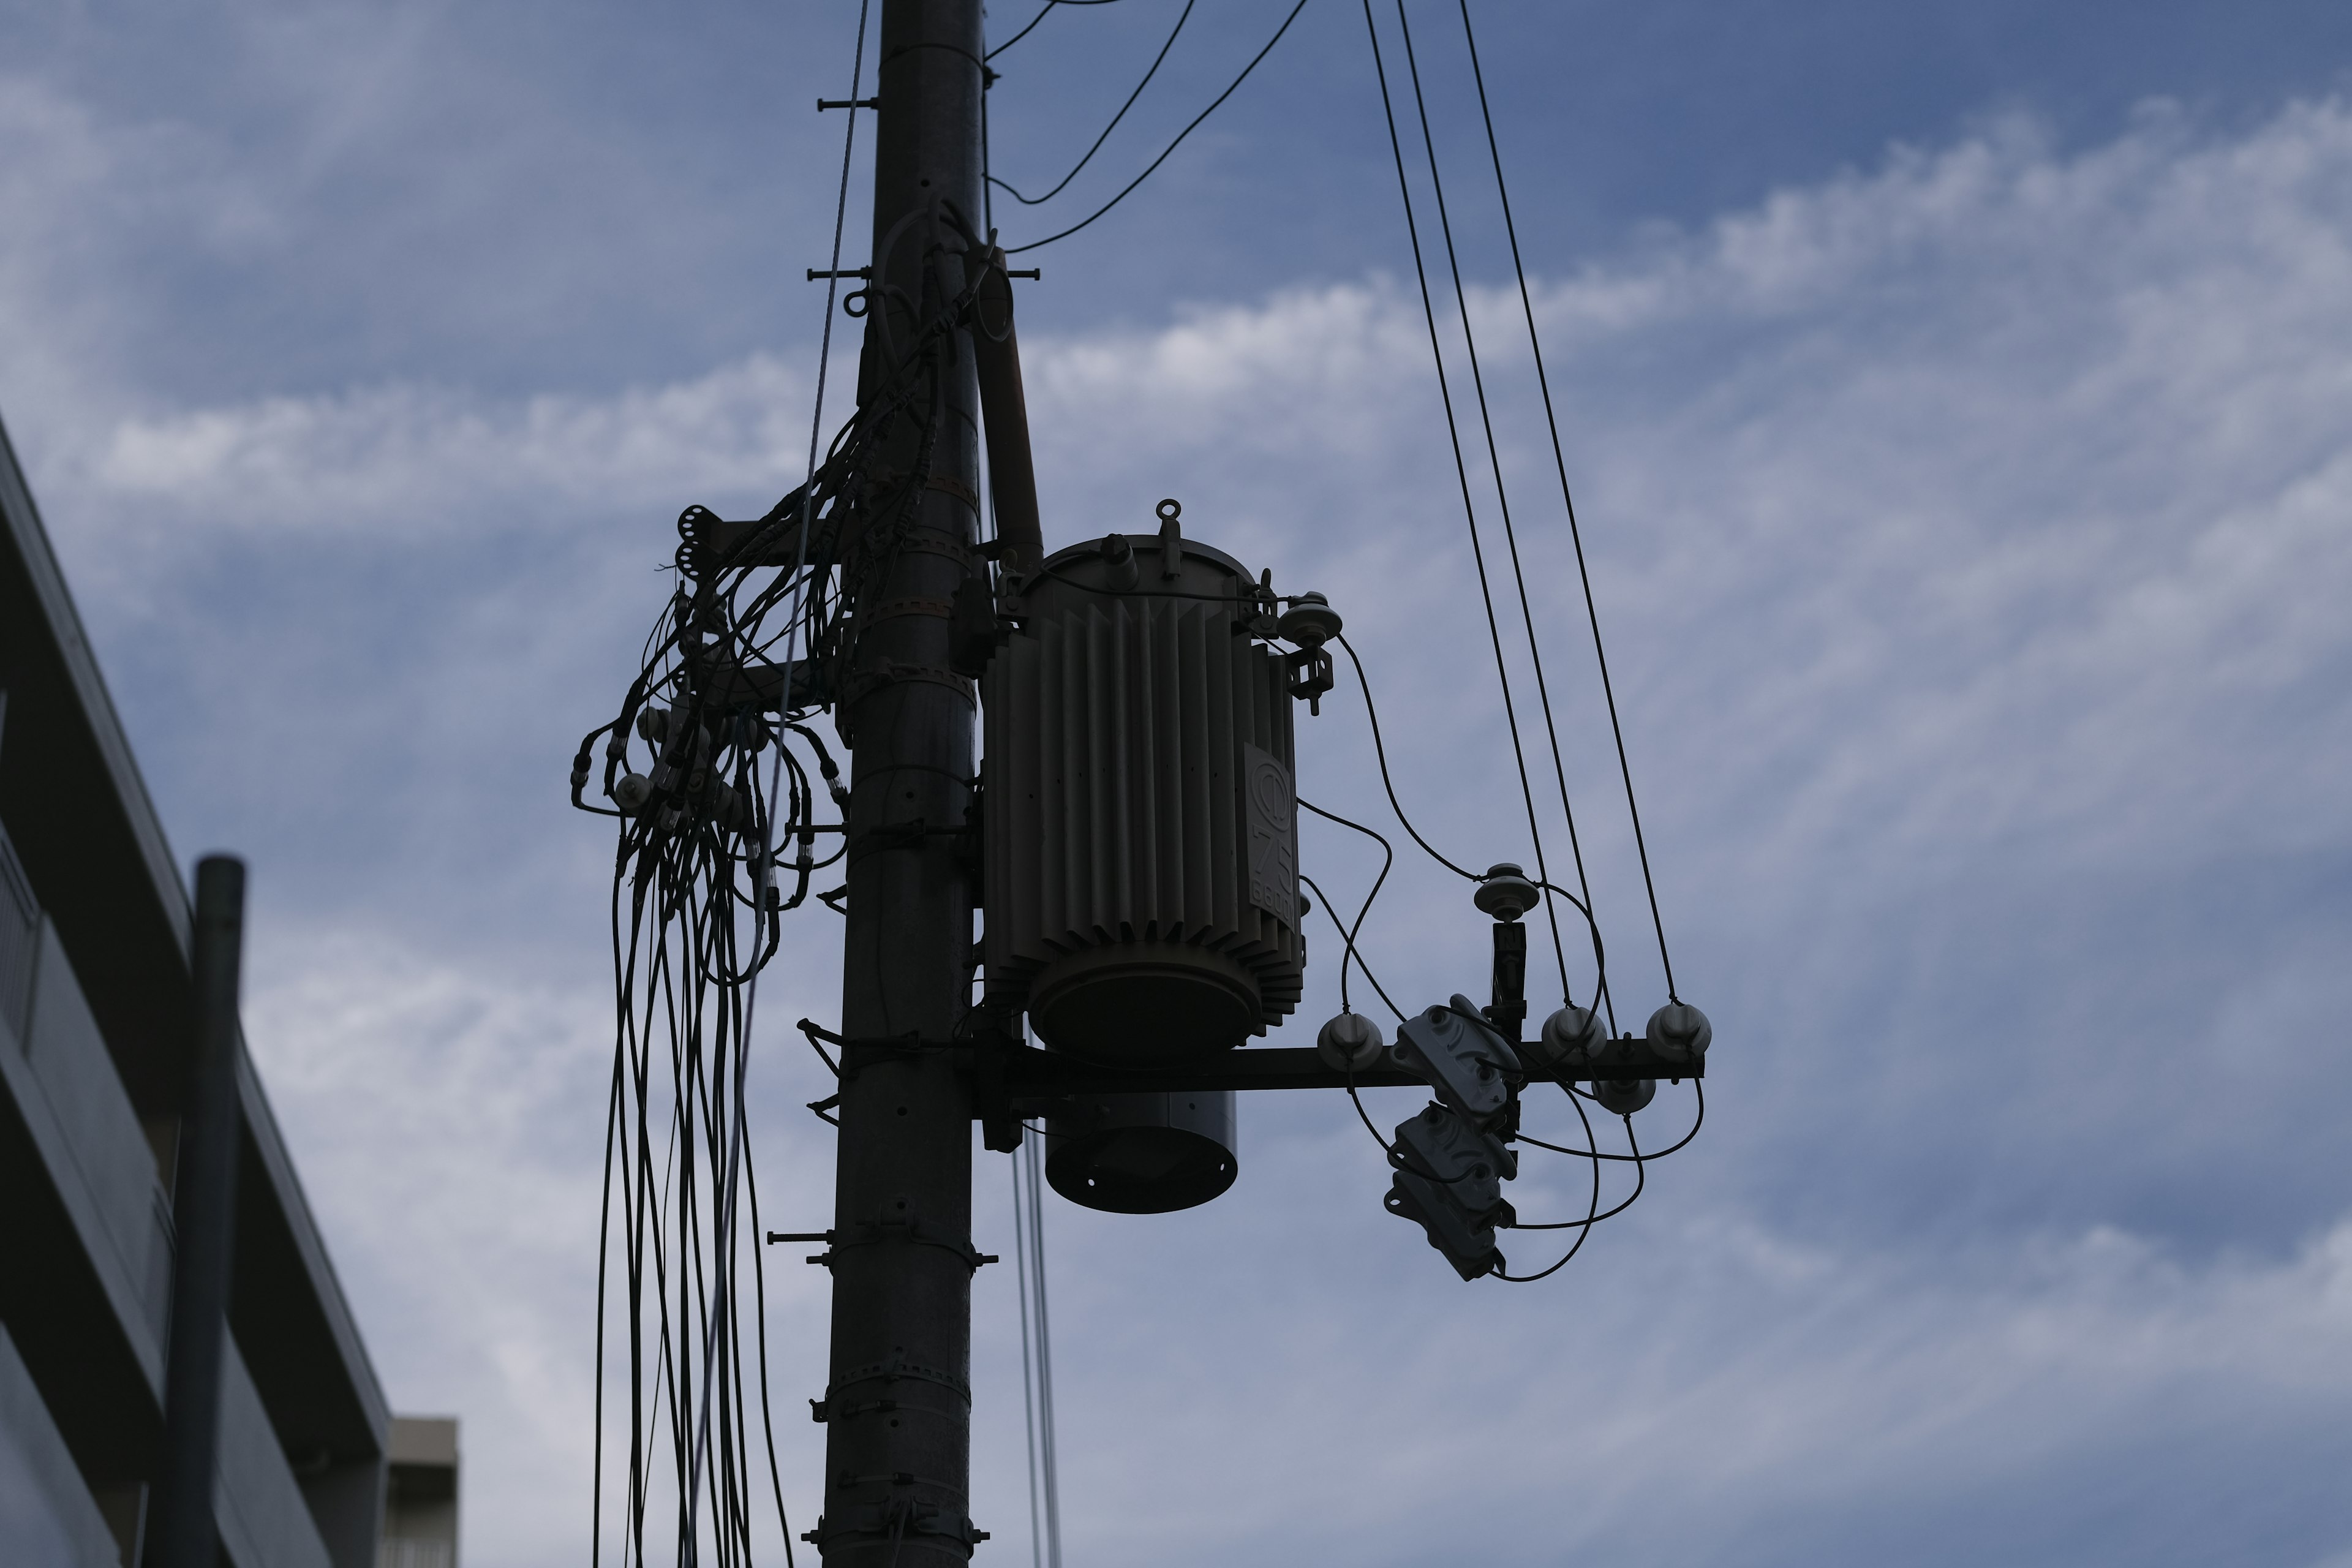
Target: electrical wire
[1503,506]
[1129,188]
[1576,1094]
[1452,427]
[1040,16]
[1349,937]
[1576,537]
[1032,201]
[1387,860]
[695,853]
[1585,1229]
[1380,753]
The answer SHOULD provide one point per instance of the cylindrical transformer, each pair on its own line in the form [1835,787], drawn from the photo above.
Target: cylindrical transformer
[1141,1153]
[1140,824]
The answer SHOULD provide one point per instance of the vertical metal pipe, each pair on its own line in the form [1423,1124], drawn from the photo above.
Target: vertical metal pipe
[203,1224]
[899,1438]
[1011,469]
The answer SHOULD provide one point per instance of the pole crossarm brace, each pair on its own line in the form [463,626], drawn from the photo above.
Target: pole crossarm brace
[1030,1073]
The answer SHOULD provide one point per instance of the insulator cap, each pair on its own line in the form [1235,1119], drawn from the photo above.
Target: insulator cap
[1119,557]
[1310,621]
[631,791]
[1505,891]
[1349,1043]
[1625,1096]
[1680,1032]
[1571,1037]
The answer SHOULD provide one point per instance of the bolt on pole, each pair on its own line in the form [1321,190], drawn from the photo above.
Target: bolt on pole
[898,1403]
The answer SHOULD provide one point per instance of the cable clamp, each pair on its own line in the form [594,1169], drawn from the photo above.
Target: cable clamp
[898,1369]
[891,609]
[897,1520]
[892,671]
[913,1231]
[954,487]
[929,542]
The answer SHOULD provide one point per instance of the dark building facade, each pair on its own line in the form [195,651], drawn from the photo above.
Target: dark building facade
[95,1032]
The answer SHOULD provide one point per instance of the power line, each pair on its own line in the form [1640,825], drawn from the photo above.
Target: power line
[1641,1175]
[1503,505]
[1032,201]
[1040,16]
[1510,532]
[1454,435]
[1697,1121]
[1584,575]
[1171,147]
[1349,936]
[1380,753]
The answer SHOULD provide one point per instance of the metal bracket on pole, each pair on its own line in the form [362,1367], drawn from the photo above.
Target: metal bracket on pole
[874,1231]
[892,1522]
[1032,1074]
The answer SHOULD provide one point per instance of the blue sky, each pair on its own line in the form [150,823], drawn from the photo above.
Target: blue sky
[1957,405]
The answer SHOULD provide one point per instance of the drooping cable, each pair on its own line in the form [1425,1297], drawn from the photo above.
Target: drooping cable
[1560,461]
[1349,933]
[1042,14]
[1347,937]
[1697,1121]
[1585,1229]
[1181,17]
[1214,104]
[1380,753]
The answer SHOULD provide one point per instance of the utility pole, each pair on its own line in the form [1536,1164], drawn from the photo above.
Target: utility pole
[1138,831]
[899,1402]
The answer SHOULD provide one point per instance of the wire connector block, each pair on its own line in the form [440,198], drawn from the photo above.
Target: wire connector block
[1461,1057]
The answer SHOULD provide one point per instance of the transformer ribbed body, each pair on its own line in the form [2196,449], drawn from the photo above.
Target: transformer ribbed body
[1140,824]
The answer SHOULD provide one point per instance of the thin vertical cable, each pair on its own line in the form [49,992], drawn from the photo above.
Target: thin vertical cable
[1560,461]
[1046,1446]
[1028,1367]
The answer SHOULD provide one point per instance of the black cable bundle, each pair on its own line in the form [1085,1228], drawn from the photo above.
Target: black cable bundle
[697,903]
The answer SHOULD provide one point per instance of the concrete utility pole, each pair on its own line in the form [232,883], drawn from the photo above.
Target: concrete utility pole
[898,1404]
